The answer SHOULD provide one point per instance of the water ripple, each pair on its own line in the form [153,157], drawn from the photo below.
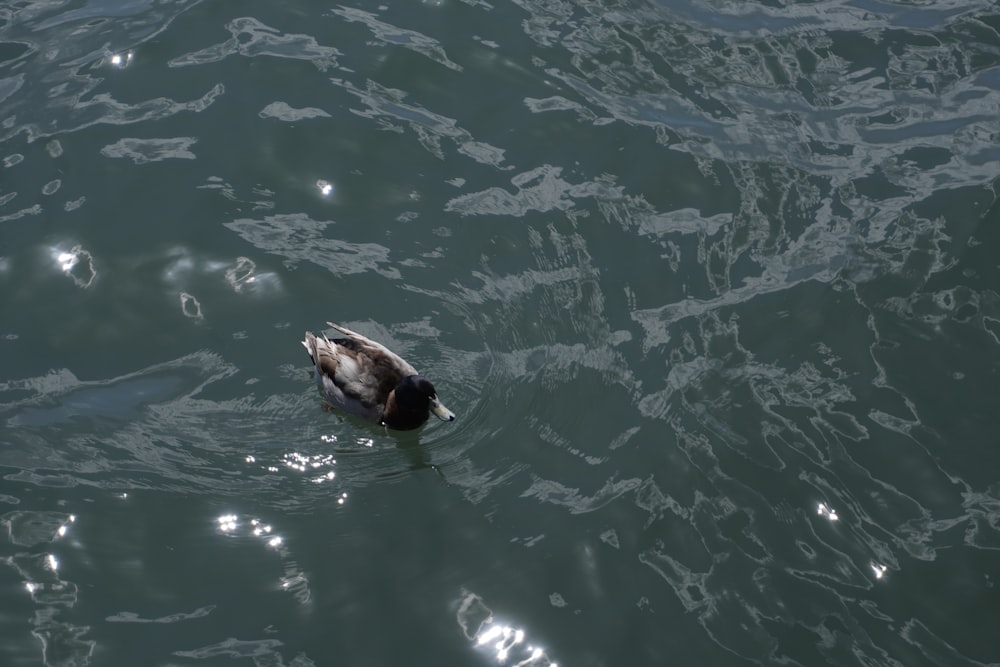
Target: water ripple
[298,237]
[252,38]
[711,287]
[394,35]
[387,106]
[141,151]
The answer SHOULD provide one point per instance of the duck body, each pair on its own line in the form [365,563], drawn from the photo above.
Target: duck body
[367,379]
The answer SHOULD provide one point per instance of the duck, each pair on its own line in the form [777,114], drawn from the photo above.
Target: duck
[367,379]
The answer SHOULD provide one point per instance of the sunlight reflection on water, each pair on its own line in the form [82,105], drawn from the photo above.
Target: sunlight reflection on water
[504,643]
[76,263]
[120,60]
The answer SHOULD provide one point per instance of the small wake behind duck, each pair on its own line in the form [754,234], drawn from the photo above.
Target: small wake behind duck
[367,379]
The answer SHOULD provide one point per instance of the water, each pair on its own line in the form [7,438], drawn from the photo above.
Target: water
[712,288]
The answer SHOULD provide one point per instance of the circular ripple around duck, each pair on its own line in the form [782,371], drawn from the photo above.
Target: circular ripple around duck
[474,390]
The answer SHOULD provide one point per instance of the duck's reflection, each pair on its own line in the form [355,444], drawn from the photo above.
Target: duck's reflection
[415,454]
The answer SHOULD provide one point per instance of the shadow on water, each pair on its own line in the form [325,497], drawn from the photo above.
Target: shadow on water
[416,456]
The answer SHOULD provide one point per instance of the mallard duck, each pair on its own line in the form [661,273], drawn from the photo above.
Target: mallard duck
[367,379]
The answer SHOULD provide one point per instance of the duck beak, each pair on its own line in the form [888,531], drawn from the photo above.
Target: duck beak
[440,411]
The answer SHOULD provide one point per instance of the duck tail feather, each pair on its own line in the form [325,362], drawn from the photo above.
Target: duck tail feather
[310,344]
[343,330]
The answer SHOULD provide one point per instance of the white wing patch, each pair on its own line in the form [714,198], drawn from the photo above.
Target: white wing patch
[347,366]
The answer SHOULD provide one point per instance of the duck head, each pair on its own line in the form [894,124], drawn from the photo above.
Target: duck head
[411,402]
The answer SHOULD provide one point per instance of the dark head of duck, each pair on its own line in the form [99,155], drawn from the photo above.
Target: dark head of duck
[411,401]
